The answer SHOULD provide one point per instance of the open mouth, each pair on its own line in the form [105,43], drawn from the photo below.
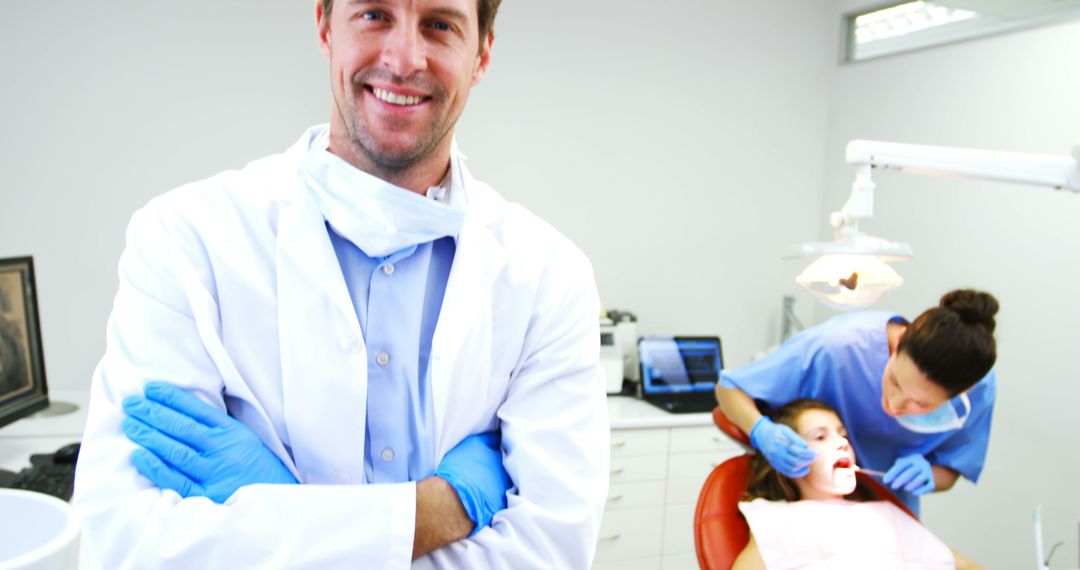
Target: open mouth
[398,99]
[844,463]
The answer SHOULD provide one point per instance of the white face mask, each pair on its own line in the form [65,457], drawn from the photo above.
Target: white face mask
[942,419]
[376,216]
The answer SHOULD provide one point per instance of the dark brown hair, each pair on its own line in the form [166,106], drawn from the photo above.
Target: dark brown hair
[765,482]
[485,12]
[953,343]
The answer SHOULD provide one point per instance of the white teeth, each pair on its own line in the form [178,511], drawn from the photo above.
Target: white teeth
[395,99]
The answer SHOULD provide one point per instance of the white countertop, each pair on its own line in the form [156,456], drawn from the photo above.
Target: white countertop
[625,412]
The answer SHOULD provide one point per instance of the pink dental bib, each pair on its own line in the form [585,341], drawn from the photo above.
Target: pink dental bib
[842,534]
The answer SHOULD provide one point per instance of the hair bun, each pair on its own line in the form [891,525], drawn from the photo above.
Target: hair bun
[973,307]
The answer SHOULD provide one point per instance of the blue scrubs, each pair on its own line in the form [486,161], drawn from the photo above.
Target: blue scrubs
[841,362]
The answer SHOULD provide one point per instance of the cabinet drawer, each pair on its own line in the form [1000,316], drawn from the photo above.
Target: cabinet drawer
[631,533]
[682,491]
[635,495]
[652,563]
[679,530]
[695,465]
[703,438]
[626,442]
[638,468]
[679,562]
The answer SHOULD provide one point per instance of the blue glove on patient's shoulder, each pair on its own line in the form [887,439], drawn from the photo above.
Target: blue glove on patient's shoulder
[912,473]
[474,468]
[193,448]
[784,449]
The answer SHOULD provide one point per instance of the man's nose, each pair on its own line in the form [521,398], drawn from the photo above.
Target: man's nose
[403,51]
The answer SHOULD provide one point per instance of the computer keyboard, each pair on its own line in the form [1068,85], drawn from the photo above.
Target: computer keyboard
[57,480]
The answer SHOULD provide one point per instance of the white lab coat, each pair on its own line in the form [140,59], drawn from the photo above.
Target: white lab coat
[230,287]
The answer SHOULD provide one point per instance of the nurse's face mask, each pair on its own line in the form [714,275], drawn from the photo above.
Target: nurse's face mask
[945,418]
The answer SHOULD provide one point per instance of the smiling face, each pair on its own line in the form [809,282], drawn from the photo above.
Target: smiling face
[906,390]
[400,72]
[832,474]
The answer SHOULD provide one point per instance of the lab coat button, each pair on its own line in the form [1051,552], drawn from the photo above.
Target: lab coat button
[387,455]
[388,269]
[382,359]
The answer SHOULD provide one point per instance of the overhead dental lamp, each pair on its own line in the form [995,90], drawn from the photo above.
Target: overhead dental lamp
[852,271]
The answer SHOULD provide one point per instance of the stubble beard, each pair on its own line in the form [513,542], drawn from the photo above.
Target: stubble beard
[384,160]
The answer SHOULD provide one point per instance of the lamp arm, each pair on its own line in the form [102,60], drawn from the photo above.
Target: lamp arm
[1055,171]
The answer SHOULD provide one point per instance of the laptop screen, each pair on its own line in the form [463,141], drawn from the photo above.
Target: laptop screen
[679,364]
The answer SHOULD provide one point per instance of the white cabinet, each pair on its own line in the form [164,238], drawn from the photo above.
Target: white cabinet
[658,464]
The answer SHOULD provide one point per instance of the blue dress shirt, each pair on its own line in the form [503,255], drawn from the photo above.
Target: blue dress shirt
[397,300]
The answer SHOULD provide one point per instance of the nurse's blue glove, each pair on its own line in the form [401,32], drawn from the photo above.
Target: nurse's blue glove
[193,448]
[784,449]
[912,473]
[474,468]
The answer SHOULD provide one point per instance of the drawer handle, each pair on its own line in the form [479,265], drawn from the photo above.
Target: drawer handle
[614,498]
[611,537]
[618,471]
[618,444]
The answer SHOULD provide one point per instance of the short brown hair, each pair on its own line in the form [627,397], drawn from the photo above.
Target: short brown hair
[485,12]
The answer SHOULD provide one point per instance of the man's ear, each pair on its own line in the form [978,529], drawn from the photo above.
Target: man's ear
[322,23]
[483,59]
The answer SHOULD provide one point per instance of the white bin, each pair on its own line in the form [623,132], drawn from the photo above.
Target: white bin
[37,532]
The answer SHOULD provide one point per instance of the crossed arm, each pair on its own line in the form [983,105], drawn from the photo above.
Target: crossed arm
[194,449]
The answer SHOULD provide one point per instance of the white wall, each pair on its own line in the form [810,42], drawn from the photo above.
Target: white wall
[1016,92]
[649,133]
[645,132]
[104,105]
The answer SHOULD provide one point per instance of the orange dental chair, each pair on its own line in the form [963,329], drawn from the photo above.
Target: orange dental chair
[720,532]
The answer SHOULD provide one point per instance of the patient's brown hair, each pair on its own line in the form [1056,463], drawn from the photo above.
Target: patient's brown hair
[766,482]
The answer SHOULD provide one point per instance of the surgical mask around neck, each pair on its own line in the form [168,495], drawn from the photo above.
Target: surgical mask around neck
[943,419]
[378,217]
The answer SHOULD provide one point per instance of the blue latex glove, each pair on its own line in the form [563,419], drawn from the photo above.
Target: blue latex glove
[474,468]
[193,448]
[784,449]
[912,473]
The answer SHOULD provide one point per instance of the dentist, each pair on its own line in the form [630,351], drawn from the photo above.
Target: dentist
[352,354]
[917,397]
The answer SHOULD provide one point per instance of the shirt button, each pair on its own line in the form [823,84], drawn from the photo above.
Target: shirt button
[388,269]
[387,455]
[382,359]
[346,342]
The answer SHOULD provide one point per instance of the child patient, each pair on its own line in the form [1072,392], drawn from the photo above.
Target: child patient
[825,519]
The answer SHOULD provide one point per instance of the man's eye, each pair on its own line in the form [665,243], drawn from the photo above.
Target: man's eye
[441,26]
[371,15]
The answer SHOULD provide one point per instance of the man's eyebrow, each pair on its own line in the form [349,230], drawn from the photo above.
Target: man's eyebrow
[449,12]
[356,3]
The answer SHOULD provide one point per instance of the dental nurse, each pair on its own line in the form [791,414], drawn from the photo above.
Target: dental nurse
[917,397]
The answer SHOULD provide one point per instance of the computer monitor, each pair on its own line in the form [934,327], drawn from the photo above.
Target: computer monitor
[22,362]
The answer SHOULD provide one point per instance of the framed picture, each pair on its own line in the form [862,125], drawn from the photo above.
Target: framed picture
[22,362]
